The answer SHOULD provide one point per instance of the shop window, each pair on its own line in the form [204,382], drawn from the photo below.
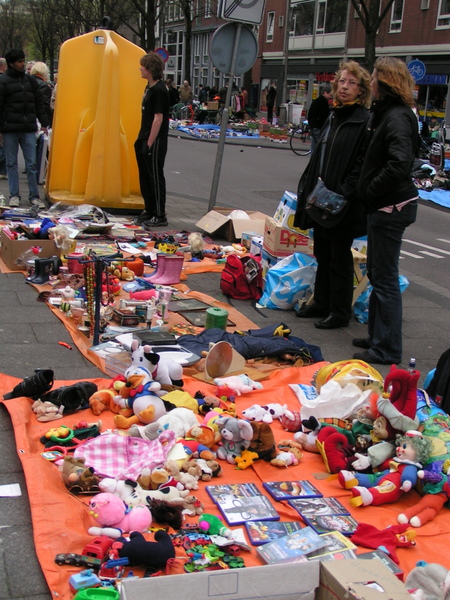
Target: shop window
[270,26]
[443,19]
[396,16]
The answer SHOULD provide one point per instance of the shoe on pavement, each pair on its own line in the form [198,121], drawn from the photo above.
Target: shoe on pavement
[331,322]
[144,216]
[362,343]
[14,201]
[313,310]
[37,202]
[155,222]
[370,358]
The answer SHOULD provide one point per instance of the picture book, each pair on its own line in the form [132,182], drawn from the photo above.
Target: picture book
[263,532]
[337,547]
[294,547]
[285,490]
[385,559]
[242,502]
[312,507]
[346,524]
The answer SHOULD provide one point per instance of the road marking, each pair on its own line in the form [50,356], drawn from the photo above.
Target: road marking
[430,254]
[428,247]
[443,240]
[410,254]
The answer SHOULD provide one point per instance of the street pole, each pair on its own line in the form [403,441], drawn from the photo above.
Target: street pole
[224,122]
[286,52]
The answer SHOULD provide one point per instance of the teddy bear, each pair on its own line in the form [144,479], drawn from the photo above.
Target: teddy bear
[77,477]
[199,440]
[115,518]
[164,370]
[139,551]
[179,420]
[182,479]
[263,441]
[240,384]
[290,454]
[236,437]
[203,470]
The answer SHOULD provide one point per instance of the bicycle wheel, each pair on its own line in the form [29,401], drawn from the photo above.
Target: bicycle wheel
[298,144]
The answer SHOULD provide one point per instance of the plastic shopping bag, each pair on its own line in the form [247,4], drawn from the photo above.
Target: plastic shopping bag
[288,281]
[361,307]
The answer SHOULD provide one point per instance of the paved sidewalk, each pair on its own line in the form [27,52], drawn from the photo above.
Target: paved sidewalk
[29,333]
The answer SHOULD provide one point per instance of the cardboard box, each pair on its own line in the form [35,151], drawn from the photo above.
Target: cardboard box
[280,241]
[257,245]
[285,213]
[267,261]
[219,222]
[360,244]
[213,105]
[12,249]
[246,239]
[283,582]
[349,579]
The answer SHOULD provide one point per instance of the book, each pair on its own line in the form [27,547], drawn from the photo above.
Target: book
[285,490]
[346,524]
[385,559]
[294,547]
[337,547]
[263,532]
[312,507]
[241,502]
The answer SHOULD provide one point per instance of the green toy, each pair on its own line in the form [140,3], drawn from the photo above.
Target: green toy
[212,525]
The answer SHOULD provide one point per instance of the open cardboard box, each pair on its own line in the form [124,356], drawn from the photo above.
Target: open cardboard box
[12,249]
[219,222]
[349,579]
[269,582]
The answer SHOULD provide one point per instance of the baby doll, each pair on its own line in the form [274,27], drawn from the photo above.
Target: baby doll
[387,486]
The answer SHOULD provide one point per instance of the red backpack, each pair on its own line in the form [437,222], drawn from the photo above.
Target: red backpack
[242,278]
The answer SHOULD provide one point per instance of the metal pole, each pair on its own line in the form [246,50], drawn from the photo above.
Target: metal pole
[224,123]
[286,51]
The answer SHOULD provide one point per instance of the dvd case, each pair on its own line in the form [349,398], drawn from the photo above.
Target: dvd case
[285,490]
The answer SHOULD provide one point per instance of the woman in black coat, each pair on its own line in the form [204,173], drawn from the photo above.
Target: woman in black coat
[344,154]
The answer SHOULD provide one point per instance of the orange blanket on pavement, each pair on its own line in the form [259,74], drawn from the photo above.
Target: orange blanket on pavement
[61,520]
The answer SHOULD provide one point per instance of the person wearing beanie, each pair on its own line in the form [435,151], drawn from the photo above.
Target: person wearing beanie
[21,104]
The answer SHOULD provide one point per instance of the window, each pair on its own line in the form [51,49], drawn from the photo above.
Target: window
[281,21]
[331,17]
[443,19]
[336,16]
[396,16]
[425,4]
[302,18]
[207,9]
[270,26]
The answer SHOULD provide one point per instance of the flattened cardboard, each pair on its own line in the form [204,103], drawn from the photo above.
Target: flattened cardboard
[348,579]
[218,221]
[269,582]
[12,249]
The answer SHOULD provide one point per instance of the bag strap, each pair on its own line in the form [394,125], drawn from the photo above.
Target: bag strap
[324,145]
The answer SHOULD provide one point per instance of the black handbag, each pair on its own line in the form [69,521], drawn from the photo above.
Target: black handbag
[325,207]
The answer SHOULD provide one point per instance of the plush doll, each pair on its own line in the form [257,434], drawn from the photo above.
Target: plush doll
[114,517]
[290,454]
[240,384]
[201,469]
[164,512]
[147,554]
[430,581]
[212,525]
[387,486]
[77,477]
[246,459]
[139,394]
[236,434]
[388,540]
[179,420]
[163,369]
[266,413]
[199,440]
[104,400]
[263,441]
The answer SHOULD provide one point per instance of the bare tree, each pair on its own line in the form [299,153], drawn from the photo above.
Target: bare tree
[13,30]
[371,18]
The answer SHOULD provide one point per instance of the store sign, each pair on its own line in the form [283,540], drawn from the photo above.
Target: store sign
[324,76]
[433,80]
[417,70]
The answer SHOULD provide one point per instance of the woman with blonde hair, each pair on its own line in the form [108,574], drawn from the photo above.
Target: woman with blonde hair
[40,71]
[340,148]
[390,197]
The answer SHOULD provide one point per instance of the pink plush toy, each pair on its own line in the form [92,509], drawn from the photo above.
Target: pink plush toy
[111,513]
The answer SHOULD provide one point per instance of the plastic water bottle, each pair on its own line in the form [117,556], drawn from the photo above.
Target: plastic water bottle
[412,364]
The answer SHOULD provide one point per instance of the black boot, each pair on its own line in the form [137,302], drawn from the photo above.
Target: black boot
[32,387]
[71,397]
[44,267]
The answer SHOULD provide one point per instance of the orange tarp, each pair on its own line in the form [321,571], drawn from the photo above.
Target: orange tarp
[60,520]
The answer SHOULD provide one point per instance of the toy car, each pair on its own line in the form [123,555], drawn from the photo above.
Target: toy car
[84,579]
[98,547]
[78,560]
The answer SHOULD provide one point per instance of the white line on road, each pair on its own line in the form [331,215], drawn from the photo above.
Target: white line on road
[410,254]
[443,240]
[430,254]
[426,246]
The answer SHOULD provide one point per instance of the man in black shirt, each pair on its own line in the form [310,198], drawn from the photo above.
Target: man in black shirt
[318,113]
[151,145]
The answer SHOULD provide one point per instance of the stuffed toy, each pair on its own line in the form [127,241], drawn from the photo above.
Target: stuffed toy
[357,372]
[77,477]
[140,394]
[290,454]
[263,441]
[212,525]
[147,554]
[246,459]
[104,400]
[212,415]
[291,421]
[428,581]
[199,440]
[191,506]
[201,469]
[240,384]
[115,518]
[387,486]
[163,369]
[388,540]
[119,270]
[179,420]
[423,511]
[266,413]
[236,435]
[182,479]
[164,512]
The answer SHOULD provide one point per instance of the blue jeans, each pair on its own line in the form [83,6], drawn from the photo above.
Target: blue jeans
[27,142]
[384,240]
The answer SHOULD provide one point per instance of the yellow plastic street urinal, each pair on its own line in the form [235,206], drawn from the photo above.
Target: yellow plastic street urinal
[96,122]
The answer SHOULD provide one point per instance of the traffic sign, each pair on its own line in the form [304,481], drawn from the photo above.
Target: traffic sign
[417,69]
[222,45]
[162,53]
[244,11]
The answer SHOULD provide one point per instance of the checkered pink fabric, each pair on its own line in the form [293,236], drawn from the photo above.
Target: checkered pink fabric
[124,457]
[290,424]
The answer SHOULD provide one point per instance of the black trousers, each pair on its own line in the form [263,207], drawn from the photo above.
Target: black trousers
[151,175]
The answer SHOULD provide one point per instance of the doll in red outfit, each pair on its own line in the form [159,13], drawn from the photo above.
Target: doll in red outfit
[400,474]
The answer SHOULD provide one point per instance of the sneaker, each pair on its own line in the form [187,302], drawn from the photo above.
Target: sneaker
[14,201]
[37,202]
[144,216]
[155,222]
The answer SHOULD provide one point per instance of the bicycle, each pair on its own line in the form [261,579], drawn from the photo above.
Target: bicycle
[300,140]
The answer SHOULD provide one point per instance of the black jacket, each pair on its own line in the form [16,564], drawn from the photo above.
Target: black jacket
[344,155]
[318,112]
[385,177]
[46,91]
[21,103]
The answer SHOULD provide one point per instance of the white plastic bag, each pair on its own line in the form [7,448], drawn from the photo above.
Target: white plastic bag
[288,281]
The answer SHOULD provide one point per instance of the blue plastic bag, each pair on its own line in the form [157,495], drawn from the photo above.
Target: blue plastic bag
[361,307]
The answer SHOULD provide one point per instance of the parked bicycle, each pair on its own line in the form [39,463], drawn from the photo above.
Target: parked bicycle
[300,140]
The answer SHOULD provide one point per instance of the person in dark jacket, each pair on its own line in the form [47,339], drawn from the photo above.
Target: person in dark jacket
[40,71]
[344,153]
[386,187]
[271,96]
[318,113]
[21,103]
